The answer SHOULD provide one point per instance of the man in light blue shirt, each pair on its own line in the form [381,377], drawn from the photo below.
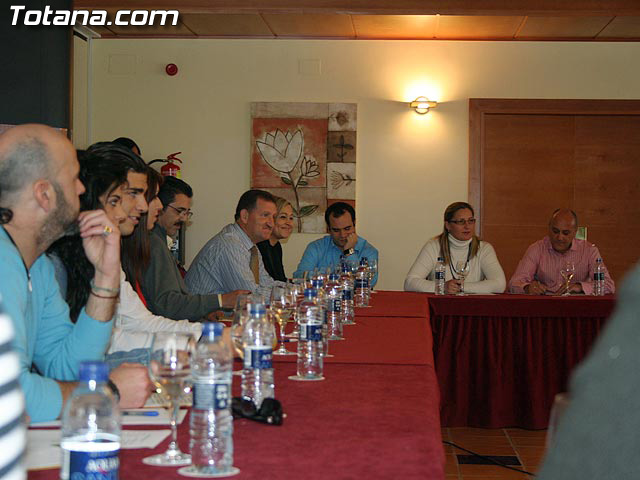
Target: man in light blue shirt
[231,260]
[39,190]
[342,241]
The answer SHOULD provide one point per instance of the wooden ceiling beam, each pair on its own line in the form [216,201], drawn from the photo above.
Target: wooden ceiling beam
[573,8]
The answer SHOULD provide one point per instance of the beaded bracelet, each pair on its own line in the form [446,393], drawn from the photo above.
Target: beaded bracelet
[103,289]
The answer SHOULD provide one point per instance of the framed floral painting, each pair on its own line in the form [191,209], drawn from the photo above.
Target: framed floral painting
[306,153]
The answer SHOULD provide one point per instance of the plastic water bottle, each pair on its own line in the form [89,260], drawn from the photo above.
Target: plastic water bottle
[211,422]
[320,302]
[311,300]
[257,341]
[334,307]
[439,274]
[310,342]
[91,427]
[346,281]
[318,281]
[361,287]
[321,299]
[598,278]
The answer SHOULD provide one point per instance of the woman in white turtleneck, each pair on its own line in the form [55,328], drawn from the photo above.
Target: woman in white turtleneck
[457,242]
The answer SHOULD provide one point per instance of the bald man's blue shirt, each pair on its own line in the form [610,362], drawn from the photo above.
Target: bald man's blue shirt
[45,337]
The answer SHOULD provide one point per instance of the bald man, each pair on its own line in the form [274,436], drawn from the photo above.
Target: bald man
[39,190]
[538,272]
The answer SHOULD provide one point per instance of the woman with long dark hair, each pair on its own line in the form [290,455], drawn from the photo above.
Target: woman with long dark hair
[104,171]
[136,248]
[458,245]
[103,182]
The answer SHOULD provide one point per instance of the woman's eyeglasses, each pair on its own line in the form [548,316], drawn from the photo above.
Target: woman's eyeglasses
[462,221]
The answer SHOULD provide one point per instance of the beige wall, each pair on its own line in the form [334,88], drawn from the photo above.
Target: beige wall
[409,166]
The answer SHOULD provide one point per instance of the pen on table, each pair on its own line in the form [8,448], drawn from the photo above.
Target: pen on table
[141,413]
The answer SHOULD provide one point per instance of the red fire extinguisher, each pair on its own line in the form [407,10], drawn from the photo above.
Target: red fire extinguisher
[170,169]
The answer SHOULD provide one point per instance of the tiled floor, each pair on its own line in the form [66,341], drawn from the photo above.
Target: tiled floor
[527,445]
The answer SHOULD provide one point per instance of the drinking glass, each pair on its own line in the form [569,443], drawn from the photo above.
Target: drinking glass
[170,371]
[567,271]
[337,268]
[240,315]
[297,295]
[373,270]
[462,269]
[307,277]
[281,306]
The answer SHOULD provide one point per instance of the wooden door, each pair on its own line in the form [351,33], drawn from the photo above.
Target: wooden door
[529,157]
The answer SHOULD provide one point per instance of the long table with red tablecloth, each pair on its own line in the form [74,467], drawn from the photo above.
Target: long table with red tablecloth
[376,415]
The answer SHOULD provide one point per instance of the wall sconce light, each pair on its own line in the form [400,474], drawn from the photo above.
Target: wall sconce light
[422,105]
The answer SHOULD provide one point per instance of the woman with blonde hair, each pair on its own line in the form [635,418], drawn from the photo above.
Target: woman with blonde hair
[457,244]
[271,249]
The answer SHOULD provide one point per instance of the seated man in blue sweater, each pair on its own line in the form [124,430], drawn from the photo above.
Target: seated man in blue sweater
[39,203]
[342,241]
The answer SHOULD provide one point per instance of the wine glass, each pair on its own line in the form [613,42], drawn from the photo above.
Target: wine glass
[281,308]
[373,270]
[337,268]
[567,271]
[297,295]
[462,269]
[240,315]
[170,370]
[307,277]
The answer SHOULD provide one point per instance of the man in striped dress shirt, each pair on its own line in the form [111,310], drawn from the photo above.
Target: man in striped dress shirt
[231,260]
[538,273]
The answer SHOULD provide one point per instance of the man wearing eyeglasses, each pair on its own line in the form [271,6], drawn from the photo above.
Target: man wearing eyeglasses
[538,273]
[162,284]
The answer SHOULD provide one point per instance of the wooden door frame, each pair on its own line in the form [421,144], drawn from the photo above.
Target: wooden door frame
[479,107]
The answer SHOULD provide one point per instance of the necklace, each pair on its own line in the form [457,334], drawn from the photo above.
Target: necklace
[21,258]
[452,269]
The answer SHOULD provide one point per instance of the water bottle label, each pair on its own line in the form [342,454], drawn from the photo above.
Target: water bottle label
[222,392]
[347,294]
[206,395]
[310,333]
[92,465]
[362,283]
[439,275]
[257,357]
[335,305]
